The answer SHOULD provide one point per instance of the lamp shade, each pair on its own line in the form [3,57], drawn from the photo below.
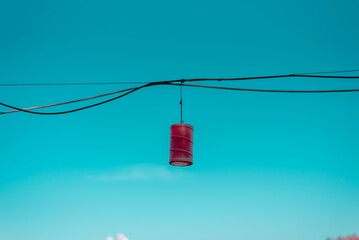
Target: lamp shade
[181,145]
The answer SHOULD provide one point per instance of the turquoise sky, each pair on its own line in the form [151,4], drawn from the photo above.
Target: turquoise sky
[266,165]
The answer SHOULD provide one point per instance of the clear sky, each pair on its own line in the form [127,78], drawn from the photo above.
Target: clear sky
[266,165]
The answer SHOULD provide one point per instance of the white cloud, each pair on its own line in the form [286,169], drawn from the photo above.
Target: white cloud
[121,237]
[109,238]
[139,172]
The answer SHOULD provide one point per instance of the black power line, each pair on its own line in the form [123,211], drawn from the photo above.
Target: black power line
[67,84]
[340,71]
[73,101]
[181,81]
[195,79]
[269,90]
[78,109]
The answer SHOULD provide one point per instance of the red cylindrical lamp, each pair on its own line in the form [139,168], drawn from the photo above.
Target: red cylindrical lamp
[181,146]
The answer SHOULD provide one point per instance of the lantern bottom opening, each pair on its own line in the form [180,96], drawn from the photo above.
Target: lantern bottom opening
[181,163]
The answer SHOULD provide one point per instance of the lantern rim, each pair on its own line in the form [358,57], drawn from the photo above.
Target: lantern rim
[181,163]
[182,124]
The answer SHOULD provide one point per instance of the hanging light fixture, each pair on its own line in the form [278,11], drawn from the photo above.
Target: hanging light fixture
[181,145]
[181,142]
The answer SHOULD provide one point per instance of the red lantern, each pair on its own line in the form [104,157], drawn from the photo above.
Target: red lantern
[181,147]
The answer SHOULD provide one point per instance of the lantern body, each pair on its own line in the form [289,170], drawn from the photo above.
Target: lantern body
[181,145]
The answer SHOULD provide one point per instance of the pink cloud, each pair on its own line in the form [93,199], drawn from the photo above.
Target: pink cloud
[121,237]
[354,237]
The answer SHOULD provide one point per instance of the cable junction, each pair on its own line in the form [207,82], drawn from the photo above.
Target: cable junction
[181,83]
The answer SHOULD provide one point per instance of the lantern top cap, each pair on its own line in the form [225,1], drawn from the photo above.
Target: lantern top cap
[182,125]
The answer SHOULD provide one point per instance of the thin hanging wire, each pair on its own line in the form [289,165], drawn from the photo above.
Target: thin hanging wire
[181,103]
[68,84]
[340,71]
[199,79]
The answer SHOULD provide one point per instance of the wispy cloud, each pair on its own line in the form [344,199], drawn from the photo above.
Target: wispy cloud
[139,172]
[121,237]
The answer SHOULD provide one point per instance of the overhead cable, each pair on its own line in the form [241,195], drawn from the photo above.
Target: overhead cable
[181,81]
[78,109]
[68,102]
[68,84]
[268,90]
[302,75]
[340,71]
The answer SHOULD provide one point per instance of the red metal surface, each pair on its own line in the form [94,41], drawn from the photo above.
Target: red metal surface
[181,147]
